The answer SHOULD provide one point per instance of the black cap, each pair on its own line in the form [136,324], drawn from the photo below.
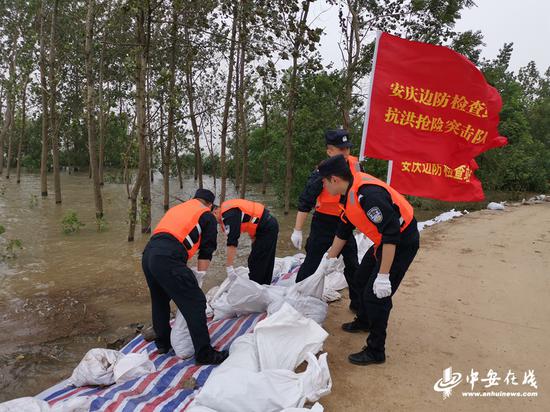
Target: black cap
[338,138]
[205,194]
[335,165]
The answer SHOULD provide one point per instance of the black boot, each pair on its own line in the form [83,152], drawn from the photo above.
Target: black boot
[209,356]
[356,326]
[163,347]
[366,358]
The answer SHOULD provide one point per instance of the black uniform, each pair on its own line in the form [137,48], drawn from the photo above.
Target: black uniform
[164,263]
[262,255]
[321,235]
[375,312]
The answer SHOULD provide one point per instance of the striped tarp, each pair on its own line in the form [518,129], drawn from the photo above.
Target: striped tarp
[165,389]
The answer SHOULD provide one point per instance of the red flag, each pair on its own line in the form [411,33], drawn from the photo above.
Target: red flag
[430,104]
[437,181]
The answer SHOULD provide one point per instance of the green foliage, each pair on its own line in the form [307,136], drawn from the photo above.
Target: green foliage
[71,223]
[33,202]
[2,229]
[101,224]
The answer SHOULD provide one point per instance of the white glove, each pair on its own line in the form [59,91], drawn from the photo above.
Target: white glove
[231,273]
[382,285]
[330,264]
[296,239]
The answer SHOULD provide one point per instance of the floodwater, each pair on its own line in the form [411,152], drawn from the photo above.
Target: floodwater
[66,293]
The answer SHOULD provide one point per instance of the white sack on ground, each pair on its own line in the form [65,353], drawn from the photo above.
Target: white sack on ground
[308,306]
[240,390]
[317,407]
[284,338]
[180,339]
[443,217]
[26,404]
[495,206]
[96,368]
[243,354]
[133,365]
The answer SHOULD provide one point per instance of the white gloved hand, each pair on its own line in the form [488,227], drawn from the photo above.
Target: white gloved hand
[382,285]
[231,272]
[296,239]
[330,264]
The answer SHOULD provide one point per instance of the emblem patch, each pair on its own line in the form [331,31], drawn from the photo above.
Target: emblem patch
[375,215]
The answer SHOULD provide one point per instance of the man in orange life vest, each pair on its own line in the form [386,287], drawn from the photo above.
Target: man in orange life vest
[326,219]
[385,217]
[184,229]
[239,216]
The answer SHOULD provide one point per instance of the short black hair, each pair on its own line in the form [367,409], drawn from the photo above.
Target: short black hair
[336,166]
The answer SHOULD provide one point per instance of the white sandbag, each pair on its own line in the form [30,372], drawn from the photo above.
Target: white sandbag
[240,390]
[284,338]
[76,404]
[246,296]
[495,206]
[285,265]
[26,404]
[311,286]
[243,354]
[133,365]
[96,368]
[194,407]
[317,407]
[180,339]
[308,306]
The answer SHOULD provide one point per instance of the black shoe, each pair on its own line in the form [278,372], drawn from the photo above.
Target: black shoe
[365,358]
[162,349]
[355,326]
[210,356]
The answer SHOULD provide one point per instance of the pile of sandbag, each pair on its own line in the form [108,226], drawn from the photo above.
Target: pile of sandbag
[259,373]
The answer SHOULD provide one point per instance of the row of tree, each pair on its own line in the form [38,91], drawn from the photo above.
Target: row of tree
[233,88]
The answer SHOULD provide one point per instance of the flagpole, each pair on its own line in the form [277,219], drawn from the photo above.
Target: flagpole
[390,168]
[367,110]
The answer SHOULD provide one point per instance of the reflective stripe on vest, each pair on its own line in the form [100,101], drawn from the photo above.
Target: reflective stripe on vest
[357,216]
[251,212]
[330,204]
[180,221]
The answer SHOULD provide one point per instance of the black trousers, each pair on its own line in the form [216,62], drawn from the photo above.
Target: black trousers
[374,311]
[262,256]
[164,263]
[321,235]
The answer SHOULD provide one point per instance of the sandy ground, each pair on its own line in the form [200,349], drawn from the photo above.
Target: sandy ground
[476,297]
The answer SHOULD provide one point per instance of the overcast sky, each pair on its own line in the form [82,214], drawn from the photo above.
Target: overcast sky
[526,23]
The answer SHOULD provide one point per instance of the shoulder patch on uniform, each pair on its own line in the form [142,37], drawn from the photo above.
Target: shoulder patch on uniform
[375,214]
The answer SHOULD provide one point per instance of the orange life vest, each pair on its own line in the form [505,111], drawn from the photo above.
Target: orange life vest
[357,216]
[251,214]
[180,220]
[330,204]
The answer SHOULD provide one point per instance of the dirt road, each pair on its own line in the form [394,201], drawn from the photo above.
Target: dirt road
[476,297]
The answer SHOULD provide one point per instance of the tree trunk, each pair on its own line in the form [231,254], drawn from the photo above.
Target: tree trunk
[54,129]
[23,125]
[90,111]
[45,139]
[227,104]
[102,118]
[191,101]
[140,118]
[171,107]
[354,50]
[242,131]
[7,129]
[291,107]
[178,163]
[146,184]
[266,144]
[236,140]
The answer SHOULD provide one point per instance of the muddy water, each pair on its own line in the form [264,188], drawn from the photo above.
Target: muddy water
[64,294]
